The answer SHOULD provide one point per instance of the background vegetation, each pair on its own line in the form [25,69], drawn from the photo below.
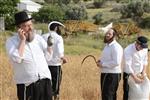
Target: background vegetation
[79,82]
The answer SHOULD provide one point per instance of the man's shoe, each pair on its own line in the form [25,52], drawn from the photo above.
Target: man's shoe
[56,97]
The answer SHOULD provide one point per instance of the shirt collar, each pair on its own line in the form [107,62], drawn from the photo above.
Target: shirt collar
[109,44]
[134,47]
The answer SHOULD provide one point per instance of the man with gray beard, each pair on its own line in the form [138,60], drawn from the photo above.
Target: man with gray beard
[110,64]
[28,53]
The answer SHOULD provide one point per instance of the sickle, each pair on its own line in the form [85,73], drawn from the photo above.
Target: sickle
[87,57]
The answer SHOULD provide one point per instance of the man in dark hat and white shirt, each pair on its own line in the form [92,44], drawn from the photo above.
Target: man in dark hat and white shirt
[28,53]
[135,62]
[58,58]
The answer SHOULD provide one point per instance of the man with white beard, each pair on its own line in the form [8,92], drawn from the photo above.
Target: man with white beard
[28,53]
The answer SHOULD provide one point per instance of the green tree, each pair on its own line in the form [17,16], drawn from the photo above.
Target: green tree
[76,12]
[97,18]
[76,1]
[98,3]
[7,10]
[49,13]
[132,10]
[58,1]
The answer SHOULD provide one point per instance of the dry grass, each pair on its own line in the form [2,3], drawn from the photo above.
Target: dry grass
[7,86]
[78,83]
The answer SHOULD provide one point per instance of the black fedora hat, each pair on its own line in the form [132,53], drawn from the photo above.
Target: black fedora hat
[21,17]
[142,40]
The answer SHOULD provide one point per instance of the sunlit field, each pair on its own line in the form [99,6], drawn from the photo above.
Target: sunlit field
[78,83]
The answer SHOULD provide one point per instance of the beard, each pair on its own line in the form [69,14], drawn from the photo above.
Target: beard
[30,36]
[108,40]
[58,31]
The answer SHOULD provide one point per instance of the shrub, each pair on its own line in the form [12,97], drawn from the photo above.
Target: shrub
[76,12]
[63,2]
[76,1]
[132,10]
[146,7]
[145,23]
[97,18]
[98,3]
[49,13]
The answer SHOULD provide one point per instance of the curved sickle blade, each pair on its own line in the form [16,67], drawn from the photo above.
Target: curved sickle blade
[87,57]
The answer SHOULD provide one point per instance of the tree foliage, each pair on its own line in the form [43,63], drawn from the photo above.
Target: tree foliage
[98,3]
[146,6]
[132,10]
[97,18]
[49,13]
[76,12]
[7,10]
[145,23]
[58,1]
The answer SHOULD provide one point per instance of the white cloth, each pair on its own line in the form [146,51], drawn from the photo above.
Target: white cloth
[111,58]
[139,91]
[32,65]
[134,60]
[58,48]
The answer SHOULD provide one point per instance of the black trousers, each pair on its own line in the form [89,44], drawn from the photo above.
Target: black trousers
[56,73]
[109,85]
[125,86]
[40,90]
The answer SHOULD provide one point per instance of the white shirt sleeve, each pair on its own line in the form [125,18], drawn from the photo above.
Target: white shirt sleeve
[128,61]
[60,47]
[145,62]
[12,52]
[44,46]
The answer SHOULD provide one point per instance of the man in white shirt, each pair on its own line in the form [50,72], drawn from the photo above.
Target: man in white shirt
[58,55]
[28,53]
[110,64]
[135,62]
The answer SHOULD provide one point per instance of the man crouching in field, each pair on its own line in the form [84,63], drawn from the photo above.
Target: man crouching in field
[28,52]
[110,64]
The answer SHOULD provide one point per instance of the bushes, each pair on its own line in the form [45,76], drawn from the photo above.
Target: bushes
[97,18]
[49,13]
[145,23]
[75,12]
[98,3]
[146,7]
[60,13]
[132,10]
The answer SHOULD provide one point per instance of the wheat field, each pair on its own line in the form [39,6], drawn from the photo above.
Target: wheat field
[78,82]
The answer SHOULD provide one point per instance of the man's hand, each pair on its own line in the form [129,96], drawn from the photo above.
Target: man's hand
[49,41]
[137,79]
[99,64]
[64,60]
[21,34]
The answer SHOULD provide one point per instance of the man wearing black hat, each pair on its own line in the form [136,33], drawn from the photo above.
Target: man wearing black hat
[28,53]
[135,62]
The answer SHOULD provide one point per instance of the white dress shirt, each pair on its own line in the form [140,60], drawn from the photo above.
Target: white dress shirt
[134,60]
[58,48]
[32,66]
[111,58]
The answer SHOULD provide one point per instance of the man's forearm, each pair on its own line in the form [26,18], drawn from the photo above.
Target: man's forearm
[21,47]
